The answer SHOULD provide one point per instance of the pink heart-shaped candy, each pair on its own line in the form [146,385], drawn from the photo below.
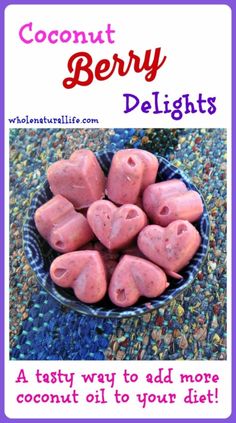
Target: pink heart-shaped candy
[156,193]
[131,171]
[79,179]
[170,200]
[115,227]
[110,258]
[84,272]
[135,277]
[172,247]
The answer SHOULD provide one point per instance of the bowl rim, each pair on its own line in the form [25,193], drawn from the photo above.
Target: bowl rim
[118,312]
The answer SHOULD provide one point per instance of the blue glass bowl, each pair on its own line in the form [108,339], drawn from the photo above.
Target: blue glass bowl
[40,255]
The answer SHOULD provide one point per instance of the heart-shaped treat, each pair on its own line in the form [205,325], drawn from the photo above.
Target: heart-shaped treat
[135,277]
[155,194]
[110,258]
[115,227]
[186,206]
[170,200]
[63,228]
[130,173]
[79,179]
[84,272]
[172,247]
